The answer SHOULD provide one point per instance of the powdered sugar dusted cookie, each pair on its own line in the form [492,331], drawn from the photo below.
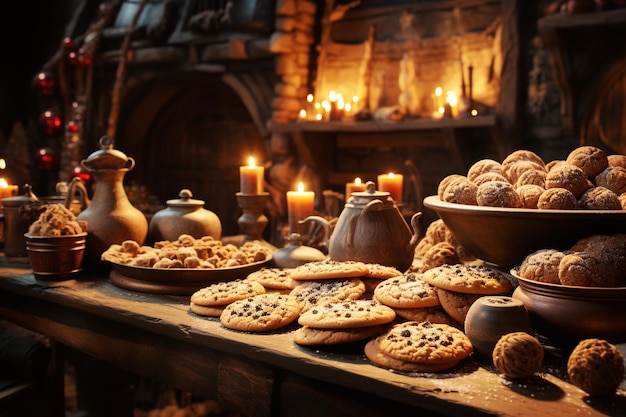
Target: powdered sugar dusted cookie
[221,293]
[347,314]
[406,291]
[260,313]
[472,279]
[273,278]
[329,269]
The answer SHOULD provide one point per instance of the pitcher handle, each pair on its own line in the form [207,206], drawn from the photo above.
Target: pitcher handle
[77,185]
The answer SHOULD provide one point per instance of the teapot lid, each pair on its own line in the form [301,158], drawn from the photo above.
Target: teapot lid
[106,157]
[370,192]
[28,196]
[185,200]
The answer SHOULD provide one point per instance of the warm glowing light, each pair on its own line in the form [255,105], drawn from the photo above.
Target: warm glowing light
[303,114]
[318,116]
[3,183]
[340,102]
[332,95]
[438,91]
[300,187]
[357,181]
[326,105]
[355,99]
[451,98]
[251,162]
[3,163]
[309,98]
[474,112]
[348,107]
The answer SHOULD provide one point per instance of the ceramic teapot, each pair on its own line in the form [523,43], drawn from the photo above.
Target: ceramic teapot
[110,216]
[371,229]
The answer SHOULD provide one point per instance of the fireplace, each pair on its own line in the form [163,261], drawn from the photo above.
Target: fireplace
[200,86]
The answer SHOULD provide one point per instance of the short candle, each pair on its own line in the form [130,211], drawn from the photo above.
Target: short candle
[251,178]
[6,191]
[391,183]
[300,205]
[353,187]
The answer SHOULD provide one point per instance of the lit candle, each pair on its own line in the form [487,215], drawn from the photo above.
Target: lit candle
[251,178]
[6,191]
[300,205]
[453,101]
[352,187]
[391,183]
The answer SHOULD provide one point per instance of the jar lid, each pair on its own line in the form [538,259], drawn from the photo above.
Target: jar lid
[107,157]
[185,200]
[369,194]
[27,197]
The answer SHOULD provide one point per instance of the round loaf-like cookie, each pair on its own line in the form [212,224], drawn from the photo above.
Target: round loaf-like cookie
[529,195]
[436,231]
[311,293]
[570,177]
[613,178]
[518,355]
[456,304]
[489,176]
[497,194]
[553,164]
[469,279]
[447,180]
[260,313]
[557,199]
[599,198]
[522,155]
[406,291]
[582,269]
[461,191]
[309,336]
[542,265]
[622,200]
[439,254]
[596,366]
[532,176]
[221,293]
[273,278]
[347,314]
[590,159]
[425,342]
[378,357]
[483,166]
[329,269]
[515,170]
[617,160]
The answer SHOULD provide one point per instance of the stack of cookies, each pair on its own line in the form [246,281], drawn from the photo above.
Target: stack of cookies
[211,301]
[458,286]
[342,322]
[419,347]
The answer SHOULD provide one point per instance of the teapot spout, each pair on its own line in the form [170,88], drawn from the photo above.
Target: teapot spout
[417,231]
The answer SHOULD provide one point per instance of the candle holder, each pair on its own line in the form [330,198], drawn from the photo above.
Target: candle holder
[252,222]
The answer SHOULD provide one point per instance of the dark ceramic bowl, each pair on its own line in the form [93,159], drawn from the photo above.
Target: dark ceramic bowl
[505,236]
[567,314]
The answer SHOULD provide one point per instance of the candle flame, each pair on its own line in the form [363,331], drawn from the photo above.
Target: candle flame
[3,163]
[391,175]
[3,183]
[438,91]
[300,187]
[309,98]
[474,112]
[332,95]
[251,162]
[357,181]
[302,114]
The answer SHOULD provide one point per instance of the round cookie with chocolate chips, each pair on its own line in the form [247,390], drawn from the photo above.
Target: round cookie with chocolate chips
[260,313]
[468,278]
[347,314]
[309,336]
[425,343]
[312,293]
[329,269]
[406,291]
[376,355]
[222,293]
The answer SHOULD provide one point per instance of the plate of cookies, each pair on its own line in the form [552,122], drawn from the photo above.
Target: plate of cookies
[183,266]
[502,211]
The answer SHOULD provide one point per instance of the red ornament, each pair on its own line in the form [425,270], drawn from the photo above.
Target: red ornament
[68,44]
[50,123]
[81,173]
[47,159]
[72,58]
[72,126]
[44,83]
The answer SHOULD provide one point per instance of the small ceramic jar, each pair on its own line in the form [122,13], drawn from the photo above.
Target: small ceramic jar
[184,215]
[490,317]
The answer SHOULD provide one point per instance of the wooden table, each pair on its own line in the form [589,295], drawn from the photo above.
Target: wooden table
[157,337]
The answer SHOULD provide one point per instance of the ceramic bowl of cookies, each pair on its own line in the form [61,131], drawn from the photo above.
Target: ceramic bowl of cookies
[505,236]
[567,314]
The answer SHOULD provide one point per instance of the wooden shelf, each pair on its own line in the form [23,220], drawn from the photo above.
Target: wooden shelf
[371,126]
[593,20]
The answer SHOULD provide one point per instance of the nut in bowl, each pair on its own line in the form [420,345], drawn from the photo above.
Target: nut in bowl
[55,243]
[567,314]
[505,236]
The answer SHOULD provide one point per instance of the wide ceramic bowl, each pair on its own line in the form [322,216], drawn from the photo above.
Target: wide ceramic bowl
[505,236]
[567,314]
